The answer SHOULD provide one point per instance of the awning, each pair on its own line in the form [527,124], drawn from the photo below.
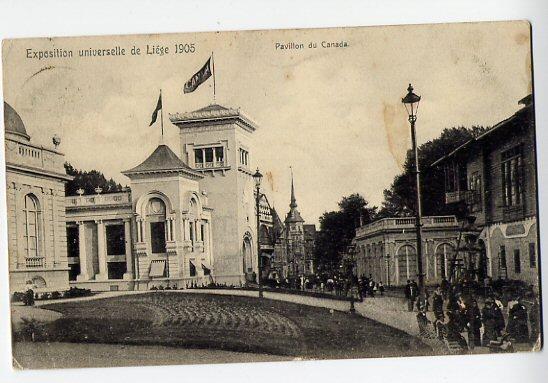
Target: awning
[157,268]
[206,265]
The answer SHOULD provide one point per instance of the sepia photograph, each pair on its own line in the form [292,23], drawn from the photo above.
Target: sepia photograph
[271,195]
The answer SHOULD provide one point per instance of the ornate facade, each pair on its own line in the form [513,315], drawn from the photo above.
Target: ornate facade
[35,192]
[186,220]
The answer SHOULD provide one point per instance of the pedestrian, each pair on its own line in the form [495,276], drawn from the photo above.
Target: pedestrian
[445,288]
[474,324]
[372,288]
[381,288]
[491,318]
[453,330]
[414,293]
[517,322]
[423,322]
[409,295]
[437,304]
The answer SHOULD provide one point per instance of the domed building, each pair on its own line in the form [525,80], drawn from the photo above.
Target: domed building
[35,191]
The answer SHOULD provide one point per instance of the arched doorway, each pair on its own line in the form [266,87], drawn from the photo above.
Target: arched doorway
[247,255]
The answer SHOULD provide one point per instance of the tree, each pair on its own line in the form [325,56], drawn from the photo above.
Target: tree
[337,229]
[88,181]
[399,200]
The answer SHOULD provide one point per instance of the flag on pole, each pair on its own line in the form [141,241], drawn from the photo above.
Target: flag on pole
[199,77]
[158,107]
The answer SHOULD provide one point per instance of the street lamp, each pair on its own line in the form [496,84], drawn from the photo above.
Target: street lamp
[388,269]
[257,177]
[411,103]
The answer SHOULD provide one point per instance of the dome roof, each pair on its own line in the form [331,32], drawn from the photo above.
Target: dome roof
[13,122]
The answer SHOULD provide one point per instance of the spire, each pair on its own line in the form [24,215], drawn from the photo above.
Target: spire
[293,203]
[293,215]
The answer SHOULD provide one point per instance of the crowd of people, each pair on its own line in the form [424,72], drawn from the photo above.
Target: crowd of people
[456,311]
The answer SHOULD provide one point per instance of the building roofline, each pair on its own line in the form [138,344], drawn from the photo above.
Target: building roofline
[527,101]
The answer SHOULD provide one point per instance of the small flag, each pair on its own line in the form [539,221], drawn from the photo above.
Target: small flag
[199,77]
[155,113]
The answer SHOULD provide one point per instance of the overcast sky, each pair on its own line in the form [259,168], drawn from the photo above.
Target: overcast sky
[333,114]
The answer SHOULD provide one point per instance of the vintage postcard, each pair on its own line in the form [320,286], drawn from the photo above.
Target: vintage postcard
[271,195]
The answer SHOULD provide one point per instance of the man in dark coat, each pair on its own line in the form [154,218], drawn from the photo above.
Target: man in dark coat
[409,295]
[517,322]
[473,315]
[437,304]
[493,321]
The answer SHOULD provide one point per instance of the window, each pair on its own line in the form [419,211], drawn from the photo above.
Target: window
[474,185]
[192,269]
[517,261]
[198,156]
[192,231]
[73,242]
[532,256]
[116,270]
[502,257]
[32,227]
[219,154]
[209,157]
[511,173]
[116,239]
[244,157]
[158,237]
[156,215]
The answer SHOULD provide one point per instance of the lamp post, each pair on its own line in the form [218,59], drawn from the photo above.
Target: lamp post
[350,275]
[388,269]
[257,177]
[411,103]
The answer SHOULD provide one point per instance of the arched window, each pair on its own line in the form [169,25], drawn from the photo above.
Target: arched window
[444,252]
[407,263]
[247,255]
[156,216]
[32,220]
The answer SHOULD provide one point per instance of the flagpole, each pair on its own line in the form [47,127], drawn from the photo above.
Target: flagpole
[213,65]
[162,117]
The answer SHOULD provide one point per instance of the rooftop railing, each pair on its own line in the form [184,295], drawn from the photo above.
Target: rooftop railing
[121,198]
[407,223]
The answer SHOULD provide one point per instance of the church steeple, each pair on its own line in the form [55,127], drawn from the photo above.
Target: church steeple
[293,203]
[293,215]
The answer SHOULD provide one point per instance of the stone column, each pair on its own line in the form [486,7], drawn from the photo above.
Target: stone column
[101,251]
[85,261]
[129,259]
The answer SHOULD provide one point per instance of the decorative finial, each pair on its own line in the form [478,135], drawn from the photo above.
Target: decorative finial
[80,192]
[98,190]
[56,140]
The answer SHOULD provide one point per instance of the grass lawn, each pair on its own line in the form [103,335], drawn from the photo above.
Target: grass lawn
[233,323]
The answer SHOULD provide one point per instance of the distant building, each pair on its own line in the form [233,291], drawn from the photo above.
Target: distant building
[294,251]
[386,249]
[35,191]
[493,179]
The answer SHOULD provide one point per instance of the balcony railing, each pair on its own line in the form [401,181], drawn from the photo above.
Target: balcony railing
[407,223]
[467,196]
[35,262]
[99,199]
[210,165]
